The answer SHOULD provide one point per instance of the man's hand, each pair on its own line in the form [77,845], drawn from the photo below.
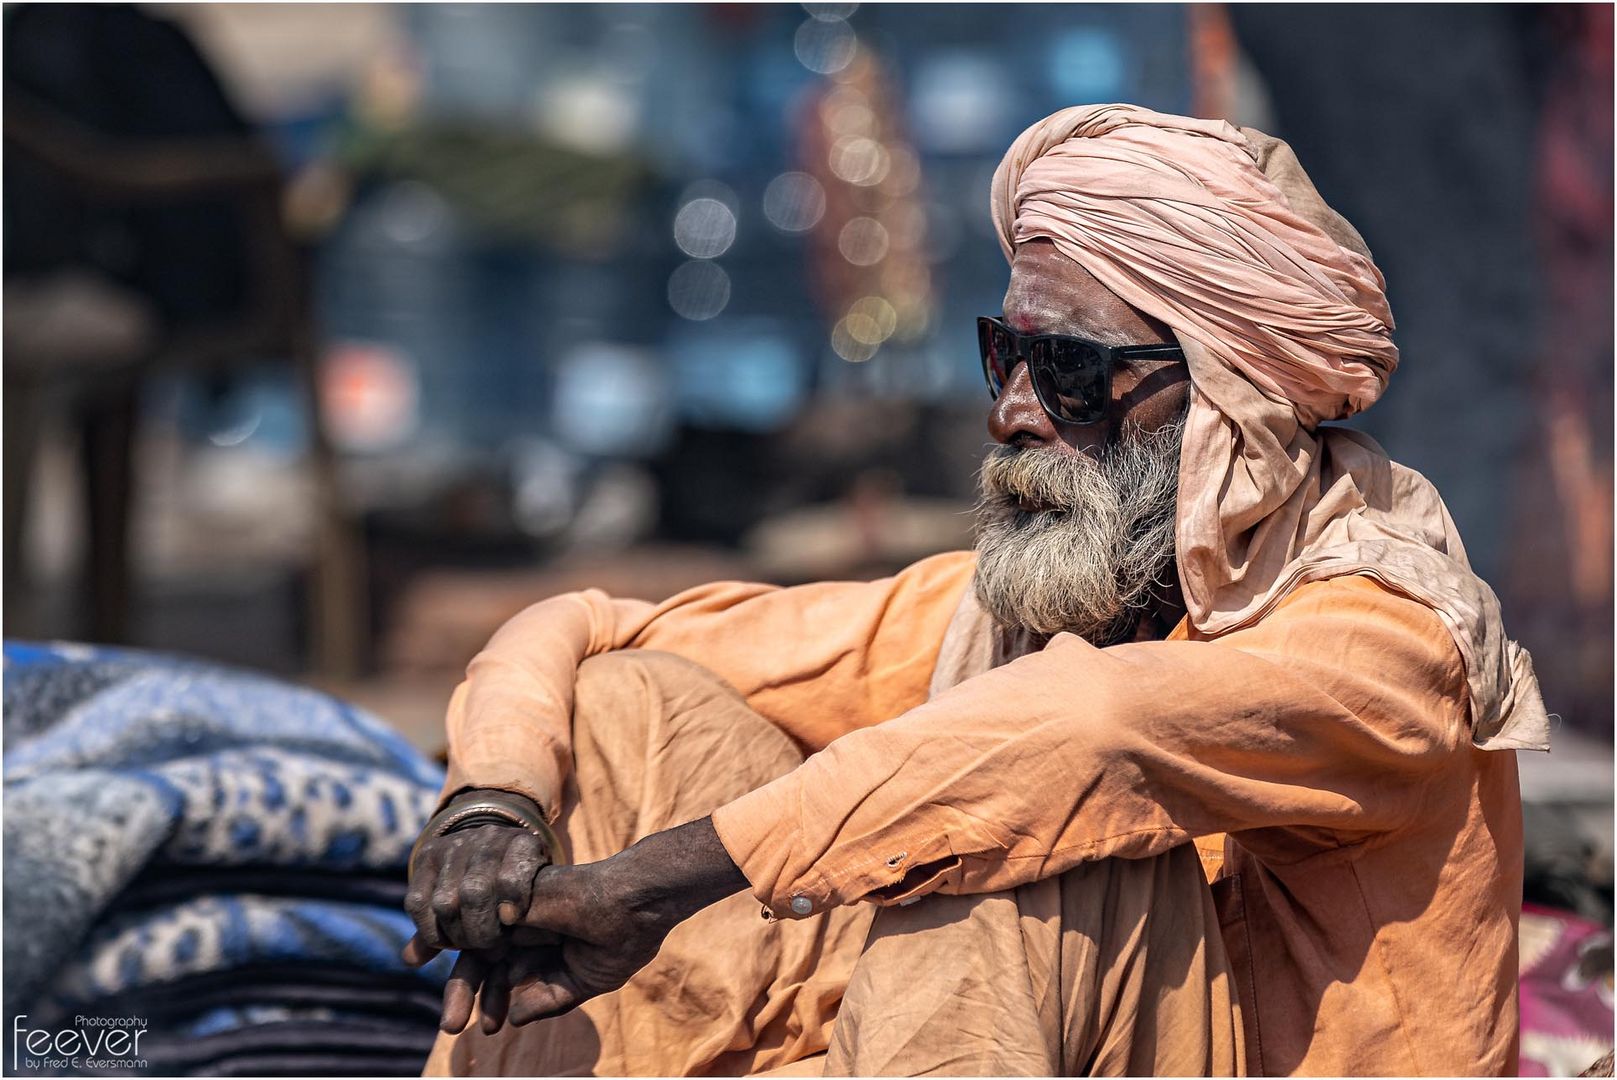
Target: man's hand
[611,917]
[463,882]
[605,939]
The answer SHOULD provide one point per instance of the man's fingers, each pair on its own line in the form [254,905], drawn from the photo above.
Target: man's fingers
[513,884]
[418,952]
[418,901]
[496,997]
[548,992]
[479,923]
[446,895]
[460,992]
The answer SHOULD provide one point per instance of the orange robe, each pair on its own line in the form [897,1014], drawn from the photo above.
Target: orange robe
[1372,872]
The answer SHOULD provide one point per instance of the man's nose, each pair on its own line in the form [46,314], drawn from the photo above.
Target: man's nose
[1017,418]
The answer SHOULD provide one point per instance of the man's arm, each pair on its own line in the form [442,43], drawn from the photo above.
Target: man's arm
[817,660]
[1324,718]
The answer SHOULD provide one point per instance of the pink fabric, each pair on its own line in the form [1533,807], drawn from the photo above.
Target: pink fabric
[1566,995]
[1284,322]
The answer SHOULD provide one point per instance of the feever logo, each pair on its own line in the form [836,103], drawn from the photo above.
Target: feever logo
[93,1042]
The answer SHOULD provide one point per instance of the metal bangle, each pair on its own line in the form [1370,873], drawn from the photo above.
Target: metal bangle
[488,808]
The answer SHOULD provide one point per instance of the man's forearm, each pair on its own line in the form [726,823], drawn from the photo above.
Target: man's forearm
[675,873]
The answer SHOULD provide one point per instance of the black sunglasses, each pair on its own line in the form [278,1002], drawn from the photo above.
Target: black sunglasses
[1072,376]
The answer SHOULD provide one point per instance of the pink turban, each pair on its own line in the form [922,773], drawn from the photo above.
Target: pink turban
[1283,317]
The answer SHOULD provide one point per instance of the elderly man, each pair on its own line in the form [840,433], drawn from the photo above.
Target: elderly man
[1192,767]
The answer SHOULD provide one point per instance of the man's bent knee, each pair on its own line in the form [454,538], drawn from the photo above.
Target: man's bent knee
[628,671]
[663,740]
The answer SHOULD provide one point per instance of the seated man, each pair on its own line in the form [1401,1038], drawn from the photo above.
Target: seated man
[1203,637]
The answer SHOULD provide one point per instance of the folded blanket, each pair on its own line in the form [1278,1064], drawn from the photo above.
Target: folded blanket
[170,825]
[162,885]
[133,955]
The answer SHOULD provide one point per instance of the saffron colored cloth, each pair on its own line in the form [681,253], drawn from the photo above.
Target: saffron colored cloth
[1372,871]
[660,742]
[1219,233]
[1115,968]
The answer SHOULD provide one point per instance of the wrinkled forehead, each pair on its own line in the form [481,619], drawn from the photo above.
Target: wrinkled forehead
[1051,294]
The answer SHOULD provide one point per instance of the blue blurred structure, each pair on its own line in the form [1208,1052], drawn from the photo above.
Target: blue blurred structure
[489,323]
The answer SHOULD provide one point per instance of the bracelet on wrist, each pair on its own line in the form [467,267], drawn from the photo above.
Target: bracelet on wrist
[476,808]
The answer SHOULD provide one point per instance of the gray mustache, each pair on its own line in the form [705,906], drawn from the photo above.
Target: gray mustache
[1047,477]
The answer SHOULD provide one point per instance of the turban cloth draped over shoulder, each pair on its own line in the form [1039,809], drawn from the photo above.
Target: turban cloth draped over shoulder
[1283,318]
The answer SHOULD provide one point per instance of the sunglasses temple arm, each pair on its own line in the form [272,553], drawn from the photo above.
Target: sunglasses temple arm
[1150,352]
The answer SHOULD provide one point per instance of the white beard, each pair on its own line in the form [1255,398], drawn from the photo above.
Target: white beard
[1088,564]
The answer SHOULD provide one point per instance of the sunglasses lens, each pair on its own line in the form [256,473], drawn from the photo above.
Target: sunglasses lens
[1071,378]
[999,355]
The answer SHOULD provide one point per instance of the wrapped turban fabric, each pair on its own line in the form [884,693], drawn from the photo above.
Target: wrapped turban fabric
[1283,318]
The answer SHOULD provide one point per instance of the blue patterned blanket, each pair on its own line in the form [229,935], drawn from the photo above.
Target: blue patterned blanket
[166,821]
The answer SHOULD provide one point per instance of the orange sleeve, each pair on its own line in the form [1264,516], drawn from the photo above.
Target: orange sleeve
[1323,718]
[817,660]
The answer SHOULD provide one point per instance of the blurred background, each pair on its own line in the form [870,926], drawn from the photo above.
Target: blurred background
[337,334]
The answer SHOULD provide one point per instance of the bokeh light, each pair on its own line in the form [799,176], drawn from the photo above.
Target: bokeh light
[859,160]
[825,47]
[698,290]
[846,345]
[871,320]
[794,202]
[705,228]
[413,215]
[863,241]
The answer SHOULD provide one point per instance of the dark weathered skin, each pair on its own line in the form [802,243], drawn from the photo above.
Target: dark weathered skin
[461,881]
[566,933]
[538,939]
